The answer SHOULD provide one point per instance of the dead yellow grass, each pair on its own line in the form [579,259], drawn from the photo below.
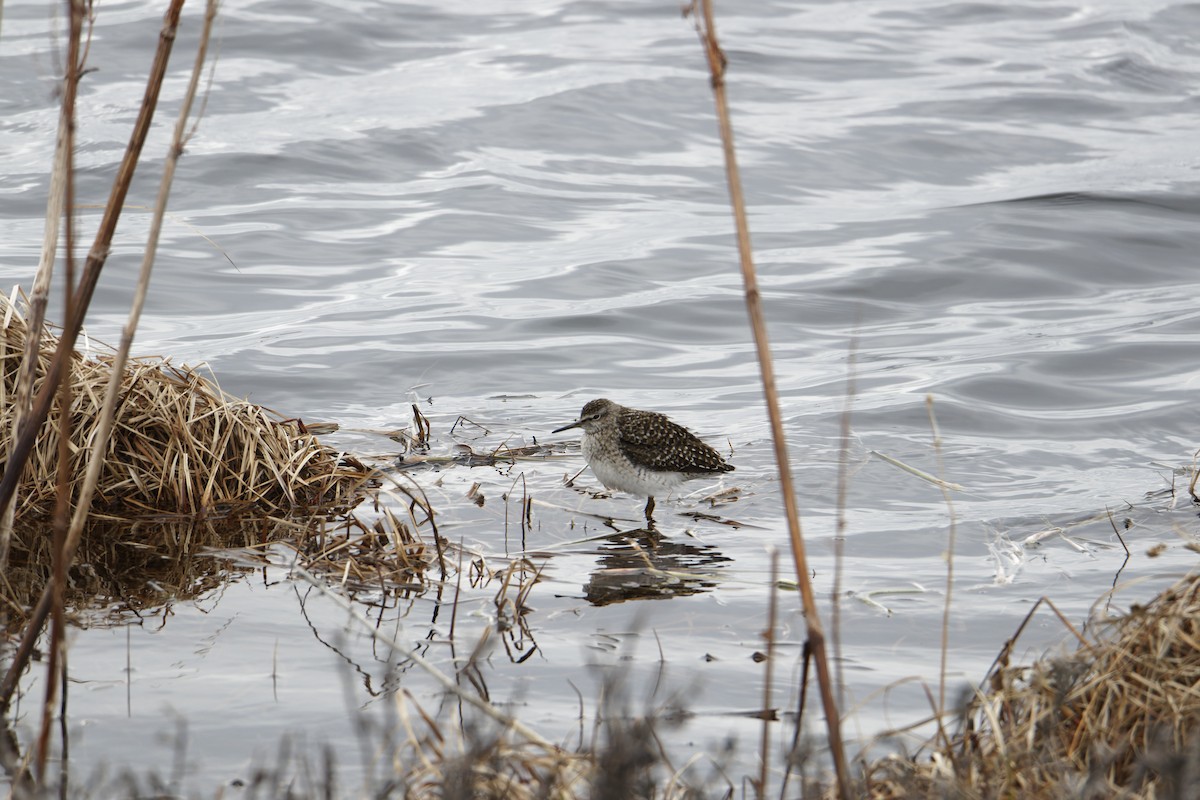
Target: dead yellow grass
[1119,717]
[179,444]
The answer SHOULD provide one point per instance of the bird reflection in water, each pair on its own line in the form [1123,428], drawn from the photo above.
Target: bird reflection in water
[642,565]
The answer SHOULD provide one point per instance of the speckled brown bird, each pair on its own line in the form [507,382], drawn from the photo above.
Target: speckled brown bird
[642,452]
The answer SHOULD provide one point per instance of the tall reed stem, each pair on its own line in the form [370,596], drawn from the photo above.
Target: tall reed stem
[816,636]
[58,577]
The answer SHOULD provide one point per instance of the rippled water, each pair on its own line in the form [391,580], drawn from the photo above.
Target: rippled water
[502,210]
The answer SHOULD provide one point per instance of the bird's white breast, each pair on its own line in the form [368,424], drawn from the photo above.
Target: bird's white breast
[616,471]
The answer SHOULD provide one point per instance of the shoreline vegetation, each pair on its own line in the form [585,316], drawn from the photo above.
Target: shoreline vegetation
[178,446]
[129,468]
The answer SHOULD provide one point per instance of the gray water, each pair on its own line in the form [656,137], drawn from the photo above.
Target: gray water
[501,210]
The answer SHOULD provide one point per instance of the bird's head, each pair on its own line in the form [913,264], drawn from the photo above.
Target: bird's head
[592,417]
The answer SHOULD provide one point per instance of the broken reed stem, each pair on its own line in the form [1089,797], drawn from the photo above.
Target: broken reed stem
[816,637]
[77,304]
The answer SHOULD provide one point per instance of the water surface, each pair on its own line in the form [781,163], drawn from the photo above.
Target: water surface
[503,211]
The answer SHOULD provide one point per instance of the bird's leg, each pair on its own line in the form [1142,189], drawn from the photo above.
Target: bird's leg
[649,509]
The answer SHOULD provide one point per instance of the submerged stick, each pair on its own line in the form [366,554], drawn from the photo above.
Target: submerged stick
[816,636]
[925,476]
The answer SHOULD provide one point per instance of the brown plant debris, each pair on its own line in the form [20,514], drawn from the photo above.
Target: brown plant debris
[362,554]
[179,446]
[1119,717]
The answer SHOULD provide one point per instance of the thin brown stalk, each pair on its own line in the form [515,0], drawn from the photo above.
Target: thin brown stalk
[58,576]
[816,636]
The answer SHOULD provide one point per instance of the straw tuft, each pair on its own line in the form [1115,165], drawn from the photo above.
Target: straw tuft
[179,446]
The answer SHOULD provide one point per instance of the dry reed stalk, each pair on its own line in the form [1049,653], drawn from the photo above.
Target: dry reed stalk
[702,12]
[768,713]
[55,666]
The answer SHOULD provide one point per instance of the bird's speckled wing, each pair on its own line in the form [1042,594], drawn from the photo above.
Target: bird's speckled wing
[657,443]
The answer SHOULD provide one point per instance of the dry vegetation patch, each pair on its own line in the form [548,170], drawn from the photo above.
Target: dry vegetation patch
[179,445]
[1119,717]
[188,471]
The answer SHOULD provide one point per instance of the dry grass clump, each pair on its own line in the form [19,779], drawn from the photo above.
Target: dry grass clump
[186,470]
[1120,717]
[179,444]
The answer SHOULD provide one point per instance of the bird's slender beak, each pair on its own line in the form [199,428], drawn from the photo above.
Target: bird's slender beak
[574,424]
